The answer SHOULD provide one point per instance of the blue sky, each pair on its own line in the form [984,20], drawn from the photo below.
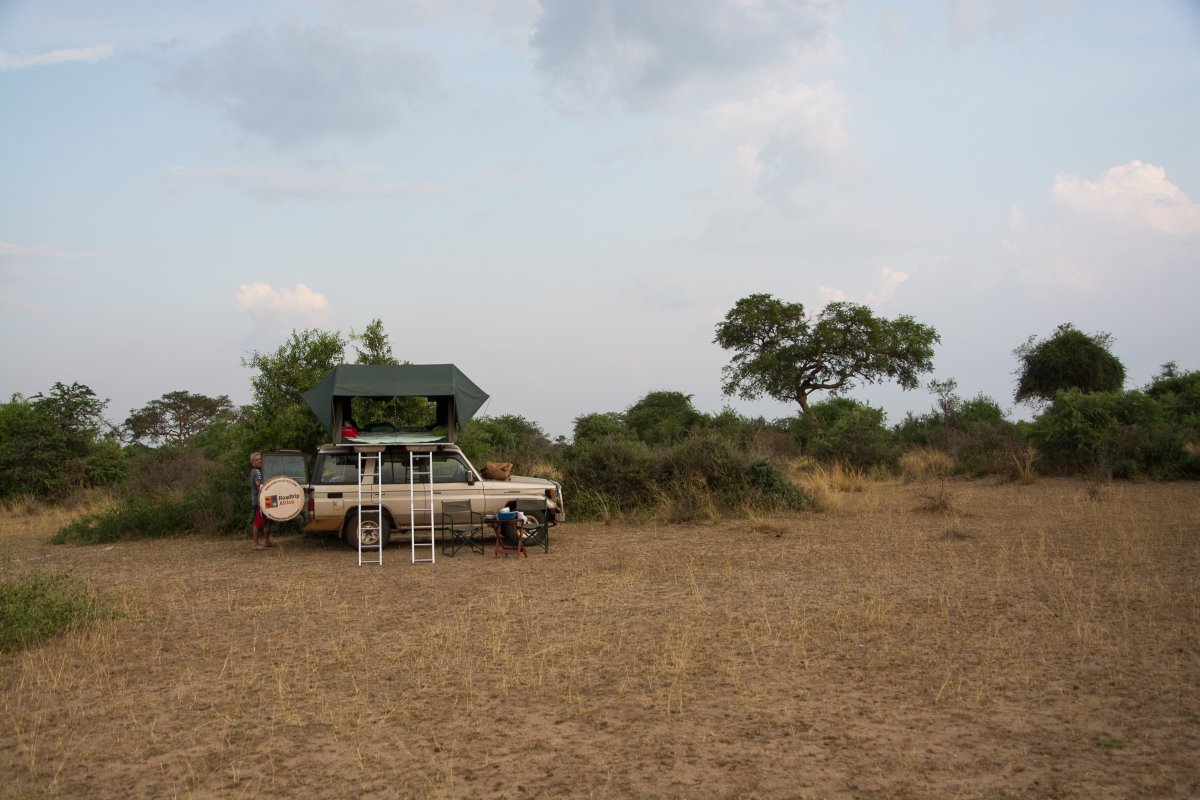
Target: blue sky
[565,197]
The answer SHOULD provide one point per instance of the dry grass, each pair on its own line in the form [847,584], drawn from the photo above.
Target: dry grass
[1028,643]
[826,483]
[922,464]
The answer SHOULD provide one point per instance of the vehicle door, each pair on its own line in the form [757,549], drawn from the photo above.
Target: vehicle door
[453,479]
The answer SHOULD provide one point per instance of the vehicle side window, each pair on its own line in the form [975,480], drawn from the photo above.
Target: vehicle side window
[338,468]
[395,468]
[447,469]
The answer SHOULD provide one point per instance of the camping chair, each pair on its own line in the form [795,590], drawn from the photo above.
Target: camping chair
[510,538]
[537,522]
[460,527]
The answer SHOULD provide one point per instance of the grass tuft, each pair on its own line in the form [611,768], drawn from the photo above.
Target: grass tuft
[39,605]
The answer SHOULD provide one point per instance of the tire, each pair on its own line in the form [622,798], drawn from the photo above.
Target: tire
[370,530]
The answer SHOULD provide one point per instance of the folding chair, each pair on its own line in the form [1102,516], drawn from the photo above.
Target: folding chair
[460,526]
[537,523]
[510,538]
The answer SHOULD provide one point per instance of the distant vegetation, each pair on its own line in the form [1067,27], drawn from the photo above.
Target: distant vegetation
[179,463]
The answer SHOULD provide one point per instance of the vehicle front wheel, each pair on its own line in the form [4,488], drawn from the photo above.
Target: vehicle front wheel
[370,531]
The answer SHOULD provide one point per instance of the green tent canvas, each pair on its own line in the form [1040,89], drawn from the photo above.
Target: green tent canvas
[457,398]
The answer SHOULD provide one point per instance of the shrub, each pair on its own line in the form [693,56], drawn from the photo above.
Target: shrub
[506,438]
[850,432]
[620,470]
[1111,434]
[697,478]
[38,605]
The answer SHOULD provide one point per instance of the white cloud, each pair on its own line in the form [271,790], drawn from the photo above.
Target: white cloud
[889,281]
[293,85]
[92,54]
[1136,195]
[1128,230]
[830,295]
[260,300]
[645,52]
[783,137]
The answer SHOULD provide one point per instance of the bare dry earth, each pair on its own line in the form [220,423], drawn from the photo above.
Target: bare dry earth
[1032,642]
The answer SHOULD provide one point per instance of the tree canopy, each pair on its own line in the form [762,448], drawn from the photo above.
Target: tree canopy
[280,417]
[1068,359]
[781,352]
[175,417]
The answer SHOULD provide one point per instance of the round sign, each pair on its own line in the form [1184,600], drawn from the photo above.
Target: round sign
[281,498]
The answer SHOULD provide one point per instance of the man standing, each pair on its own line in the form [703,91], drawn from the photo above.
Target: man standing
[260,523]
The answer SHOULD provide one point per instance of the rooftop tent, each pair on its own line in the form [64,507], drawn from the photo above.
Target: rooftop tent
[456,397]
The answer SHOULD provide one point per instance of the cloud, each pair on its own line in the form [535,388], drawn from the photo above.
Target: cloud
[1130,228]
[517,14]
[889,281]
[92,54]
[782,138]
[1135,195]
[260,300]
[643,52]
[294,85]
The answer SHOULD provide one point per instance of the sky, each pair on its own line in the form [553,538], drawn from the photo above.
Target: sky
[565,197]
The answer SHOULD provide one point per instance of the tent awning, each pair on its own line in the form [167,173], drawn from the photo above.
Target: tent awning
[432,381]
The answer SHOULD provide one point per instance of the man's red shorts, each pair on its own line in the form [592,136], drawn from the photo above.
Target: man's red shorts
[259,522]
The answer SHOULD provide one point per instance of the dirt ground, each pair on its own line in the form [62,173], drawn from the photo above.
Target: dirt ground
[1033,641]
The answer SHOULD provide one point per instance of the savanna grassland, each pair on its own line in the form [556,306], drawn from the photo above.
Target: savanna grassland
[965,639]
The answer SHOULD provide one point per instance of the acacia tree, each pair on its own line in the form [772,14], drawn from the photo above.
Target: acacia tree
[175,417]
[1069,359]
[783,353]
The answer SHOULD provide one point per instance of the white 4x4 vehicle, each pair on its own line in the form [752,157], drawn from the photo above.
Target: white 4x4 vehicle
[336,492]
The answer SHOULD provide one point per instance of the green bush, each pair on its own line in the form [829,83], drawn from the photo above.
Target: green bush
[139,517]
[1117,434]
[846,430]
[975,433]
[506,438]
[38,605]
[623,471]
[702,474]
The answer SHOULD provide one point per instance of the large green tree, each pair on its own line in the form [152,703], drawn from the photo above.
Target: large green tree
[57,442]
[175,418]
[373,346]
[781,352]
[1068,359]
[279,416]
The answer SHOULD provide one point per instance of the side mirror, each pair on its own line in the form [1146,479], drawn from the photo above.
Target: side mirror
[470,478]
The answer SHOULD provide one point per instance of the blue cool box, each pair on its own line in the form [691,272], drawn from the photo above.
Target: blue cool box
[506,516]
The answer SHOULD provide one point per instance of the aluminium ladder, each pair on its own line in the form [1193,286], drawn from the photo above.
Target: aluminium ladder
[370,490]
[420,483]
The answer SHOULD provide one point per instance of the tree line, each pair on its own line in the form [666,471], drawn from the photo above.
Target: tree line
[178,463]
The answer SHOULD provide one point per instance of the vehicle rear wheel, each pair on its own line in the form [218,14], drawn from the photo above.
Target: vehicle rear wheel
[370,530]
